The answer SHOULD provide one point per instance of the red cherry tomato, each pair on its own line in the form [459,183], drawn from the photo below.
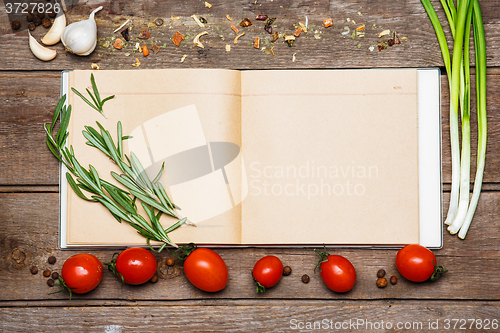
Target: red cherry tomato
[136,265]
[267,271]
[337,272]
[83,272]
[417,263]
[206,270]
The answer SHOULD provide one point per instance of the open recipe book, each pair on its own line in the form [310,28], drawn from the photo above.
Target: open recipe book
[269,157]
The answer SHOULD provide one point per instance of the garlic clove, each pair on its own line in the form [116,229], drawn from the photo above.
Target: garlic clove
[54,35]
[81,37]
[40,51]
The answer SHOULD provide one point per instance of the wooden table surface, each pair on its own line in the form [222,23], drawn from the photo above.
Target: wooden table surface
[29,90]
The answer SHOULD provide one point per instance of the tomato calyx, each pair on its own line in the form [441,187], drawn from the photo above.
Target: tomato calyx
[323,257]
[259,287]
[64,286]
[112,268]
[438,271]
[184,251]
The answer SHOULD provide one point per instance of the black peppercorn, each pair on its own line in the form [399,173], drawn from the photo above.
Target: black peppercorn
[394,280]
[46,22]
[287,270]
[55,275]
[46,273]
[31,26]
[33,270]
[170,262]
[50,282]
[381,273]
[15,25]
[40,15]
[305,278]
[51,14]
[52,260]
[154,279]
[381,282]
[29,17]
[37,20]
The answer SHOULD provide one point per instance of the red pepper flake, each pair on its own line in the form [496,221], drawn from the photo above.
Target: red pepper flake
[118,44]
[145,34]
[394,40]
[276,36]
[256,42]
[261,17]
[236,30]
[328,23]
[245,23]
[178,38]
[269,25]
[145,51]
[155,48]
[382,45]
[297,33]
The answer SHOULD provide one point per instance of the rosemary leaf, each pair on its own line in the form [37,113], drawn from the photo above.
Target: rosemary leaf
[175,225]
[160,173]
[93,98]
[84,99]
[119,139]
[94,87]
[75,188]
[151,202]
[57,111]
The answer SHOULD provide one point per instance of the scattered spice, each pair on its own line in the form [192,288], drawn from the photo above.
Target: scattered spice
[95,66]
[228,48]
[154,279]
[208,5]
[381,282]
[125,34]
[145,51]
[394,280]
[145,34]
[29,17]
[268,27]
[197,20]
[289,39]
[276,36]
[229,17]
[184,57]
[236,30]
[46,22]
[159,22]
[31,26]
[203,20]
[196,40]
[272,50]
[55,275]
[293,57]
[176,18]
[118,44]
[16,25]
[346,31]
[137,63]
[46,273]
[383,33]
[50,282]
[34,270]
[394,40]
[155,48]
[170,262]
[256,42]
[237,37]
[328,23]
[382,45]
[303,27]
[287,270]
[371,48]
[360,28]
[381,273]
[246,23]
[261,17]
[178,38]
[297,33]
[305,278]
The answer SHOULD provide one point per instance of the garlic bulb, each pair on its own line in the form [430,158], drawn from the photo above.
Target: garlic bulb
[40,51]
[81,37]
[54,35]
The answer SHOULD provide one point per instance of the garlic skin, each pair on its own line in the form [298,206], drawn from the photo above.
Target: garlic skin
[81,37]
[54,35]
[40,51]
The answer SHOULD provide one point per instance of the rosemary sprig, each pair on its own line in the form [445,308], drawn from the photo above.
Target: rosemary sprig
[119,202]
[96,103]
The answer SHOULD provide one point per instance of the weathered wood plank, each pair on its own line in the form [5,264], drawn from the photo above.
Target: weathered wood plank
[29,236]
[345,316]
[332,50]
[30,98]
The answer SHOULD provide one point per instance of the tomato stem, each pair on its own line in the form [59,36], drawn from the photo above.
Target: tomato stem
[63,285]
[438,271]
[323,257]
[184,251]
[112,268]
[260,288]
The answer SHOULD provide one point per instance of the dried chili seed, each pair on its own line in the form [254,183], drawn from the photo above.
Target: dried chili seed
[125,34]
[178,38]
[31,26]
[50,282]
[298,32]
[55,275]
[287,270]
[154,279]
[34,270]
[40,15]
[261,17]
[37,20]
[170,262]
[46,22]
[145,34]
[381,282]
[118,44]
[394,280]
[245,23]
[15,25]
[159,22]
[305,278]
[381,273]
[269,25]
[29,17]
[46,273]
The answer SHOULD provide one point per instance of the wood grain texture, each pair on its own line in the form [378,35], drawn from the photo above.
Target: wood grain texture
[331,50]
[29,236]
[30,98]
[261,316]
